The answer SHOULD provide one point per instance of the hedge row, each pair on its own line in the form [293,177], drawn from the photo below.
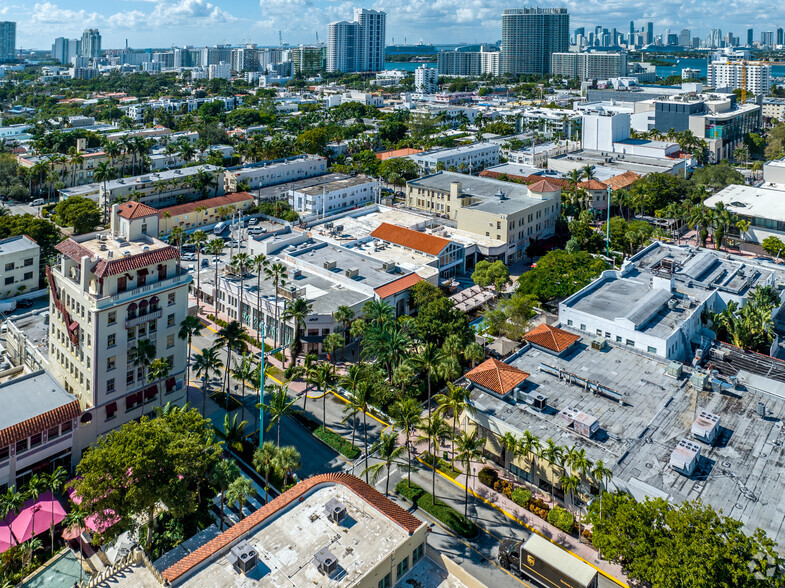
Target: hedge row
[246,337]
[337,442]
[446,514]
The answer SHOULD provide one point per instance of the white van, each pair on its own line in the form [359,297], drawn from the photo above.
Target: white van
[220,228]
[37,202]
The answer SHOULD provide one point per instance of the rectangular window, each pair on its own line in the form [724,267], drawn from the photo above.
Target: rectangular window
[172,297]
[122,284]
[630,342]
[9,281]
[21,446]
[652,349]
[9,267]
[3,453]
[418,553]
[131,333]
[161,272]
[129,377]
[110,362]
[385,582]
[110,385]
[153,327]
[28,276]
[170,320]
[599,332]
[402,567]
[53,433]
[110,340]
[170,340]
[607,335]
[35,440]
[569,322]
[28,261]
[583,327]
[111,318]
[618,339]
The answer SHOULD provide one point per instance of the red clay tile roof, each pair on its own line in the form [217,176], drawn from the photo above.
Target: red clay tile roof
[593,185]
[189,207]
[39,423]
[398,285]
[544,186]
[497,376]
[382,155]
[410,238]
[532,179]
[246,526]
[73,250]
[622,180]
[131,210]
[111,267]
[552,338]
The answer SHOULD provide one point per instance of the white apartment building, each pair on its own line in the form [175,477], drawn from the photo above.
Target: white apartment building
[280,171]
[724,74]
[108,292]
[357,45]
[600,65]
[470,158]
[426,80]
[19,261]
[161,188]
[220,71]
[334,196]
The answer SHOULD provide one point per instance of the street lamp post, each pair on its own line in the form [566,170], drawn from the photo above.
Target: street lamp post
[608,226]
[261,386]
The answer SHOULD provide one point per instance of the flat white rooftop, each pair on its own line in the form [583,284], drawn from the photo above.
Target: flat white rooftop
[766,201]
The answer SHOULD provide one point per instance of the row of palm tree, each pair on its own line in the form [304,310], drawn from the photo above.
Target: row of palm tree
[718,220]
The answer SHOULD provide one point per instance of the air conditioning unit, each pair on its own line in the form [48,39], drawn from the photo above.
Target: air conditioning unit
[335,510]
[325,561]
[330,264]
[389,266]
[243,557]
[295,273]
[352,272]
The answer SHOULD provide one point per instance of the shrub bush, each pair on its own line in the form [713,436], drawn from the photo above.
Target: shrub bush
[446,514]
[488,476]
[561,519]
[521,496]
[337,442]
[245,336]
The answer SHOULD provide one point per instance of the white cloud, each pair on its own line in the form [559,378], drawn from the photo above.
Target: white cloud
[189,12]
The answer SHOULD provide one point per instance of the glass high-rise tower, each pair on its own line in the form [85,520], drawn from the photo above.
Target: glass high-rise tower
[530,36]
[7,41]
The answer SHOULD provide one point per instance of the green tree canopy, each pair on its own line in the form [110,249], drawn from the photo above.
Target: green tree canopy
[487,274]
[423,293]
[78,212]
[560,274]
[717,176]
[398,170]
[772,245]
[45,233]
[439,319]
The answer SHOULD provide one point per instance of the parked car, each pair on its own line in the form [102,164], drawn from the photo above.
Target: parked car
[253,221]
[188,257]
[24,303]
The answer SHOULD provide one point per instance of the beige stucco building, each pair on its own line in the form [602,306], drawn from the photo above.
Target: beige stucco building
[19,266]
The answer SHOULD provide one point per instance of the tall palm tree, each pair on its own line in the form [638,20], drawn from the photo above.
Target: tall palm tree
[569,485]
[215,247]
[103,173]
[176,235]
[264,461]
[234,432]
[240,264]
[54,482]
[468,448]
[276,273]
[324,377]
[190,327]
[279,405]
[360,401]
[389,343]
[434,431]
[75,519]
[239,491]
[428,360]
[205,364]
[222,475]
[344,315]
[529,446]
[552,453]
[35,486]
[378,311]
[296,312]
[509,445]
[158,372]
[406,414]
[230,337]
[474,353]
[587,173]
[142,354]
[602,476]
[354,378]
[75,159]
[388,452]
[456,401]
[259,264]
[286,462]
[244,371]
[10,504]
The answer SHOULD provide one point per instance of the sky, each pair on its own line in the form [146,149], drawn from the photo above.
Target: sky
[163,23]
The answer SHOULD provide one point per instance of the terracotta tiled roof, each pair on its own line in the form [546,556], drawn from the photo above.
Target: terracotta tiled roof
[411,239]
[532,179]
[246,526]
[131,210]
[497,376]
[382,155]
[39,423]
[398,285]
[189,207]
[552,338]
[593,185]
[544,186]
[73,250]
[622,180]
[107,267]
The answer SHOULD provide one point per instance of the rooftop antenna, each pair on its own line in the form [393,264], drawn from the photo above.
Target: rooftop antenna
[317,37]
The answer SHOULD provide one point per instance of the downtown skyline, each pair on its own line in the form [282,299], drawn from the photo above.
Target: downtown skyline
[162,23]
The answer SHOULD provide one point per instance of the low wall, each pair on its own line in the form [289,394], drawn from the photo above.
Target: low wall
[453,568]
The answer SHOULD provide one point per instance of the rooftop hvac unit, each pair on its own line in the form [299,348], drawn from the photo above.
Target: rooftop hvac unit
[325,561]
[599,343]
[330,264]
[295,273]
[243,557]
[761,409]
[706,427]
[352,272]
[673,303]
[568,415]
[335,510]
[674,370]
[699,380]
[388,266]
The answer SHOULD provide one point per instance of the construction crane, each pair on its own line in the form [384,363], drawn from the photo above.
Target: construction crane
[280,40]
[743,81]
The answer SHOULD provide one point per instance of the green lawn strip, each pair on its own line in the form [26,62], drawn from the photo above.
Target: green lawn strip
[442,466]
[446,514]
[337,442]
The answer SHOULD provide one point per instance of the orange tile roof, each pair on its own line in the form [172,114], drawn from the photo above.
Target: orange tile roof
[497,376]
[398,285]
[622,180]
[132,210]
[410,238]
[382,155]
[593,185]
[246,526]
[189,207]
[544,186]
[552,338]
[38,423]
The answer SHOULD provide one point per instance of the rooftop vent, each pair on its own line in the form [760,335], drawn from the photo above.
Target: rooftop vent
[500,195]
[330,264]
[352,272]
[388,266]
[325,561]
[335,510]
[243,557]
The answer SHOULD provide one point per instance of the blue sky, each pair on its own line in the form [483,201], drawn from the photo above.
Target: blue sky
[162,23]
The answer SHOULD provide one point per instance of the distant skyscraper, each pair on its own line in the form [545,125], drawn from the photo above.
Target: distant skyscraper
[91,44]
[685,38]
[714,39]
[749,37]
[530,36]
[767,38]
[649,32]
[357,45]
[64,49]
[7,41]
[780,39]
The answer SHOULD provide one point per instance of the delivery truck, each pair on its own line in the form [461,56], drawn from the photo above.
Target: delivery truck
[546,564]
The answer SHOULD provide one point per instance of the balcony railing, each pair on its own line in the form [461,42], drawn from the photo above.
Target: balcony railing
[132,293]
[150,316]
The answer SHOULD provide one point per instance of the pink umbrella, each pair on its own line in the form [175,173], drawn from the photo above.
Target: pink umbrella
[6,539]
[37,518]
[94,522]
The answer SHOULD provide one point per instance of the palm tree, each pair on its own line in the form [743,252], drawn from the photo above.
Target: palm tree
[406,414]
[159,371]
[331,343]
[569,485]
[307,373]
[234,432]
[387,342]
[354,378]
[103,173]
[190,327]
[287,461]
[205,364]
[360,401]
[142,354]
[529,445]
[324,377]
[509,445]
[699,218]
[239,491]
[11,503]
[378,311]
[344,315]
[456,401]
[222,475]
[244,371]
[428,360]
[278,406]
[259,264]
[602,475]
[231,337]
[276,273]
[215,247]
[474,353]
[587,173]
[434,431]
[54,482]
[240,264]
[296,312]
[34,488]
[176,235]
[75,519]
[75,158]
[264,461]
[388,452]
[468,448]
[552,453]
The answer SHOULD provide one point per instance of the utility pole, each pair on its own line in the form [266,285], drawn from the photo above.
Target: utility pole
[261,382]
[608,226]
